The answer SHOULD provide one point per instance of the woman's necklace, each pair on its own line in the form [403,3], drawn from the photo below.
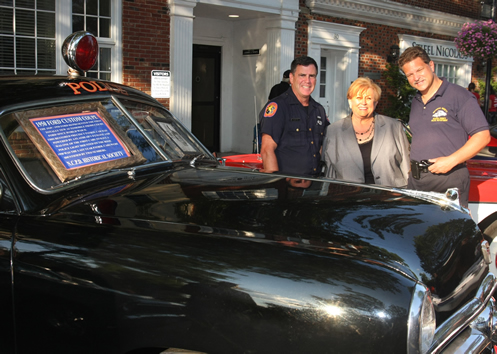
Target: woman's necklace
[366,139]
[370,129]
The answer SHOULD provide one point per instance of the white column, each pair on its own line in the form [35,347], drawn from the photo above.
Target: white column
[181,57]
[353,65]
[314,51]
[281,45]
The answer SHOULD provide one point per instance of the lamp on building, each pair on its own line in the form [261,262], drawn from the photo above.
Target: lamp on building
[394,54]
[487,9]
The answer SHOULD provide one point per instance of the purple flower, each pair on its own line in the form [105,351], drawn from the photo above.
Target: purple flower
[477,39]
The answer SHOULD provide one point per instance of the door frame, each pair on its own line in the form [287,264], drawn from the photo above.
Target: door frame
[336,85]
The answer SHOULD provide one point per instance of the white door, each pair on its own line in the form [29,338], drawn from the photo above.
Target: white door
[332,86]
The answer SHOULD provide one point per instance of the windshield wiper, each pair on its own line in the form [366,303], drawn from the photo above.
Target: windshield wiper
[194,160]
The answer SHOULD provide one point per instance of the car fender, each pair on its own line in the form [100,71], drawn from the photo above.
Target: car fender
[488,227]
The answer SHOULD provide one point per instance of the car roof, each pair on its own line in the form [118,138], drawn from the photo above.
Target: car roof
[15,90]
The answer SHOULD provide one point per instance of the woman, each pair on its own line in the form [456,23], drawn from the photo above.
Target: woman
[367,147]
[472,89]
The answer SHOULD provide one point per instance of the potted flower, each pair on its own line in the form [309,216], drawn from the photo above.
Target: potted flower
[478,39]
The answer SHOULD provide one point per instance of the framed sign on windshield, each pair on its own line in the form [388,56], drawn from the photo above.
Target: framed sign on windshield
[86,140]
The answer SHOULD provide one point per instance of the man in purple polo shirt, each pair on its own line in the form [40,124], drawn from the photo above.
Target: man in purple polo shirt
[442,117]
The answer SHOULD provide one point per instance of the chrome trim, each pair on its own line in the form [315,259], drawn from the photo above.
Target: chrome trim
[435,198]
[413,326]
[132,174]
[192,162]
[485,251]
[452,194]
[456,324]
[477,336]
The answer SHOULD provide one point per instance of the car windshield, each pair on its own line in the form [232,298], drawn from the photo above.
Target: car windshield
[57,145]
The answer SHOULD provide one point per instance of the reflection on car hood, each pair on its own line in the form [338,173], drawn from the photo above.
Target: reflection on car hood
[376,225]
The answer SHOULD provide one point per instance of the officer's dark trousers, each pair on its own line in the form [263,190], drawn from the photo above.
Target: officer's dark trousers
[458,177]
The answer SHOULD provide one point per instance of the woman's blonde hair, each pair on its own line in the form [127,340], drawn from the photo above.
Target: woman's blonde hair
[361,85]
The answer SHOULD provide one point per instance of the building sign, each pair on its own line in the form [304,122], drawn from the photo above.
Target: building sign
[161,84]
[433,47]
[251,52]
[440,50]
[80,140]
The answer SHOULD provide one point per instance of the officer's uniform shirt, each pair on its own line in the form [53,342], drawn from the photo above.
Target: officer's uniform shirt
[297,130]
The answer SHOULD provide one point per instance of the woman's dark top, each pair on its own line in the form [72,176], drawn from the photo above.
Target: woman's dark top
[366,159]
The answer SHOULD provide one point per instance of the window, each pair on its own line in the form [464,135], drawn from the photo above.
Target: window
[32,31]
[447,71]
[322,78]
[70,142]
[94,16]
[27,37]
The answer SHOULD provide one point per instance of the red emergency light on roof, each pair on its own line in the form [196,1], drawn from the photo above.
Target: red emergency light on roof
[80,51]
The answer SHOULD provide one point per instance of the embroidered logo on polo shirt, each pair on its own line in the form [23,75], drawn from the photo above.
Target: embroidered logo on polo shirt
[439,115]
[271,109]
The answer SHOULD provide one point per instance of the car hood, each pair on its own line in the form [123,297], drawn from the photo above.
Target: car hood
[423,241]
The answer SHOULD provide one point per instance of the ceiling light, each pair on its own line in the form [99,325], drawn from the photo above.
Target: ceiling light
[234,16]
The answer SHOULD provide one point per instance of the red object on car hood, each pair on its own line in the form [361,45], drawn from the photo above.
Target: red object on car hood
[246,161]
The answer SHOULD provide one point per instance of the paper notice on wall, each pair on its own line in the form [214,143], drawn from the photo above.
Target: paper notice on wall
[161,84]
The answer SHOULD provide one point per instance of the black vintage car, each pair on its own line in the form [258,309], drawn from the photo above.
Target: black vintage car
[121,233]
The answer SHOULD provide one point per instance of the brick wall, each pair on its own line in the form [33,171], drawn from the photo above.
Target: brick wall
[22,146]
[146,38]
[466,8]
[145,42]
[375,41]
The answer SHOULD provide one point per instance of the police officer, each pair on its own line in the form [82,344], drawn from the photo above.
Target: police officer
[293,125]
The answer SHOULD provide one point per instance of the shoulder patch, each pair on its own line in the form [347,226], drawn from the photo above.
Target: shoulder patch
[271,109]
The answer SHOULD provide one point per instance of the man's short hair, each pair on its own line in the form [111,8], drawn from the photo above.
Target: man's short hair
[304,61]
[413,53]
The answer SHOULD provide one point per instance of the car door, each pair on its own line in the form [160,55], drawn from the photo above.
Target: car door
[8,219]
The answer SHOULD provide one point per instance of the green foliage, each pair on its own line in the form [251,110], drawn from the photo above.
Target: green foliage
[482,83]
[400,104]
